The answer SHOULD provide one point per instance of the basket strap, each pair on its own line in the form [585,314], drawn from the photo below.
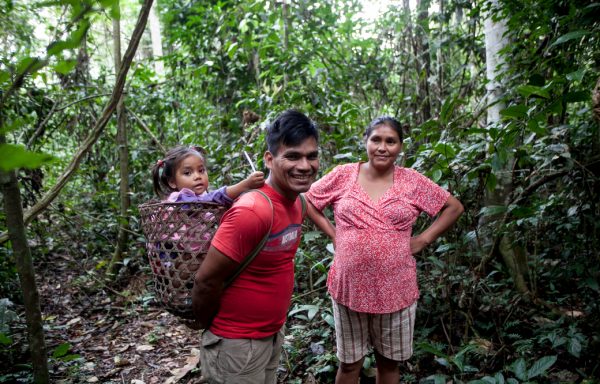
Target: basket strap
[303,202]
[256,249]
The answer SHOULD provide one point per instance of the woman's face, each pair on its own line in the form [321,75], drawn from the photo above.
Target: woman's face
[383,147]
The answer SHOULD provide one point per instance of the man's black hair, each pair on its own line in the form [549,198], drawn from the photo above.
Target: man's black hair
[290,128]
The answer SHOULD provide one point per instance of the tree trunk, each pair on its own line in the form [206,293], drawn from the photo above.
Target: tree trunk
[286,27]
[423,61]
[408,36]
[97,129]
[33,315]
[441,89]
[156,37]
[120,249]
[504,245]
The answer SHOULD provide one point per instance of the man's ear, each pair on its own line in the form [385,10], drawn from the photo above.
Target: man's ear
[268,158]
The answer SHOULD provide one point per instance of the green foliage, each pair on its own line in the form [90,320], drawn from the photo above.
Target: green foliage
[15,156]
[324,58]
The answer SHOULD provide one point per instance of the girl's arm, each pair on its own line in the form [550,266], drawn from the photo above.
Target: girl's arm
[320,220]
[255,180]
[449,214]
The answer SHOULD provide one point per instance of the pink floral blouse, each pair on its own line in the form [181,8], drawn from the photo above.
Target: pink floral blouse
[373,269]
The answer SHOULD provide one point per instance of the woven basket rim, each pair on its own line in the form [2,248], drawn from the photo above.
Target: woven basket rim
[156,202]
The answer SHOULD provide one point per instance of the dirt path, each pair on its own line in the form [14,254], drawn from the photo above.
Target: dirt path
[120,336]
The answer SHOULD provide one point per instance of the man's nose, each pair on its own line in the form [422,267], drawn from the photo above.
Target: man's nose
[303,164]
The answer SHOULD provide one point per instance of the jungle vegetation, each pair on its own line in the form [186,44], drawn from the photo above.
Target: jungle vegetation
[501,105]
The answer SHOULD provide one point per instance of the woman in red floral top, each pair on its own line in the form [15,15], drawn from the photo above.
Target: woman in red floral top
[373,281]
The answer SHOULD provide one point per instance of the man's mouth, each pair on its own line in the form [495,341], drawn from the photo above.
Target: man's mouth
[303,177]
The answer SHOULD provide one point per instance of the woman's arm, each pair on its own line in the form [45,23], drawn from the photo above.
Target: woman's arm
[320,220]
[449,214]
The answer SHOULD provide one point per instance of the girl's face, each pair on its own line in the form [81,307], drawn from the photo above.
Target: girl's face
[190,174]
[383,147]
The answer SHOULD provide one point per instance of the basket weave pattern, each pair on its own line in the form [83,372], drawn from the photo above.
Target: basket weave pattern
[178,236]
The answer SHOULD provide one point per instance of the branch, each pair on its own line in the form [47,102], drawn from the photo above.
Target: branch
[43,203]
[148,131]
[522,197]
[81,100]
[40,128]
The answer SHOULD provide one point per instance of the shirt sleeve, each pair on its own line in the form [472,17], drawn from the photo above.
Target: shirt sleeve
[329,188]
[241,229]
[427,195]
[219,196]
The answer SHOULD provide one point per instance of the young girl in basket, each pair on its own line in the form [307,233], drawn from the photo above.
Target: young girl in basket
[182,177]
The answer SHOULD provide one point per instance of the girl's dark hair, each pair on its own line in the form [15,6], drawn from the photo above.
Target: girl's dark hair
[164,169]
[384,120]
[290,128]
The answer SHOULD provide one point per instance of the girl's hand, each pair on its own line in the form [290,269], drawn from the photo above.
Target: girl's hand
[255,180]
[417,244]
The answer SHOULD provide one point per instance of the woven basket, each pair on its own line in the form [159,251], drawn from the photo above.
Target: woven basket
[178,236]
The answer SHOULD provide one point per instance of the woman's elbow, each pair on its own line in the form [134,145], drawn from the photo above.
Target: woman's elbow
[455,206]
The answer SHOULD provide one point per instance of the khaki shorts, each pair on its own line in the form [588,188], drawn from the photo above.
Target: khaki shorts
[390,334]
[244,361]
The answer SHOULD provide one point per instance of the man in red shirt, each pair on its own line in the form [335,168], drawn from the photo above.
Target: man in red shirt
[244,322]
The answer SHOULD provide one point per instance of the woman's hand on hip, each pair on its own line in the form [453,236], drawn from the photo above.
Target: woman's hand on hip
[417,244]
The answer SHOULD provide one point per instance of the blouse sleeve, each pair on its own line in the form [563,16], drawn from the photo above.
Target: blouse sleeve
[328,189]
[427,195]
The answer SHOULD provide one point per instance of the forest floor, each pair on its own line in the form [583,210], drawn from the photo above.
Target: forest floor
[117,337]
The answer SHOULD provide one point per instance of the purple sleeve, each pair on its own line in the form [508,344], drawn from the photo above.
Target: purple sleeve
[219,196]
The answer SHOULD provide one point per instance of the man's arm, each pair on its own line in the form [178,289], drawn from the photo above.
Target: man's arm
[208,285]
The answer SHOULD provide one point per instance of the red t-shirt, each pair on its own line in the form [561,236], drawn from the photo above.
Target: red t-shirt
[255,305]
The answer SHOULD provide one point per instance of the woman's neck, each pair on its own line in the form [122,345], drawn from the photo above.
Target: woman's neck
[374,173]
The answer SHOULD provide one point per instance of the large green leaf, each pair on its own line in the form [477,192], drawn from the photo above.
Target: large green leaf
[16,156]
[528,90]
[445,149]
[61,350]
[540,366]
[519,369]
[492,210]
[65,66]
[569,36]
[29,65]
[515,111]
